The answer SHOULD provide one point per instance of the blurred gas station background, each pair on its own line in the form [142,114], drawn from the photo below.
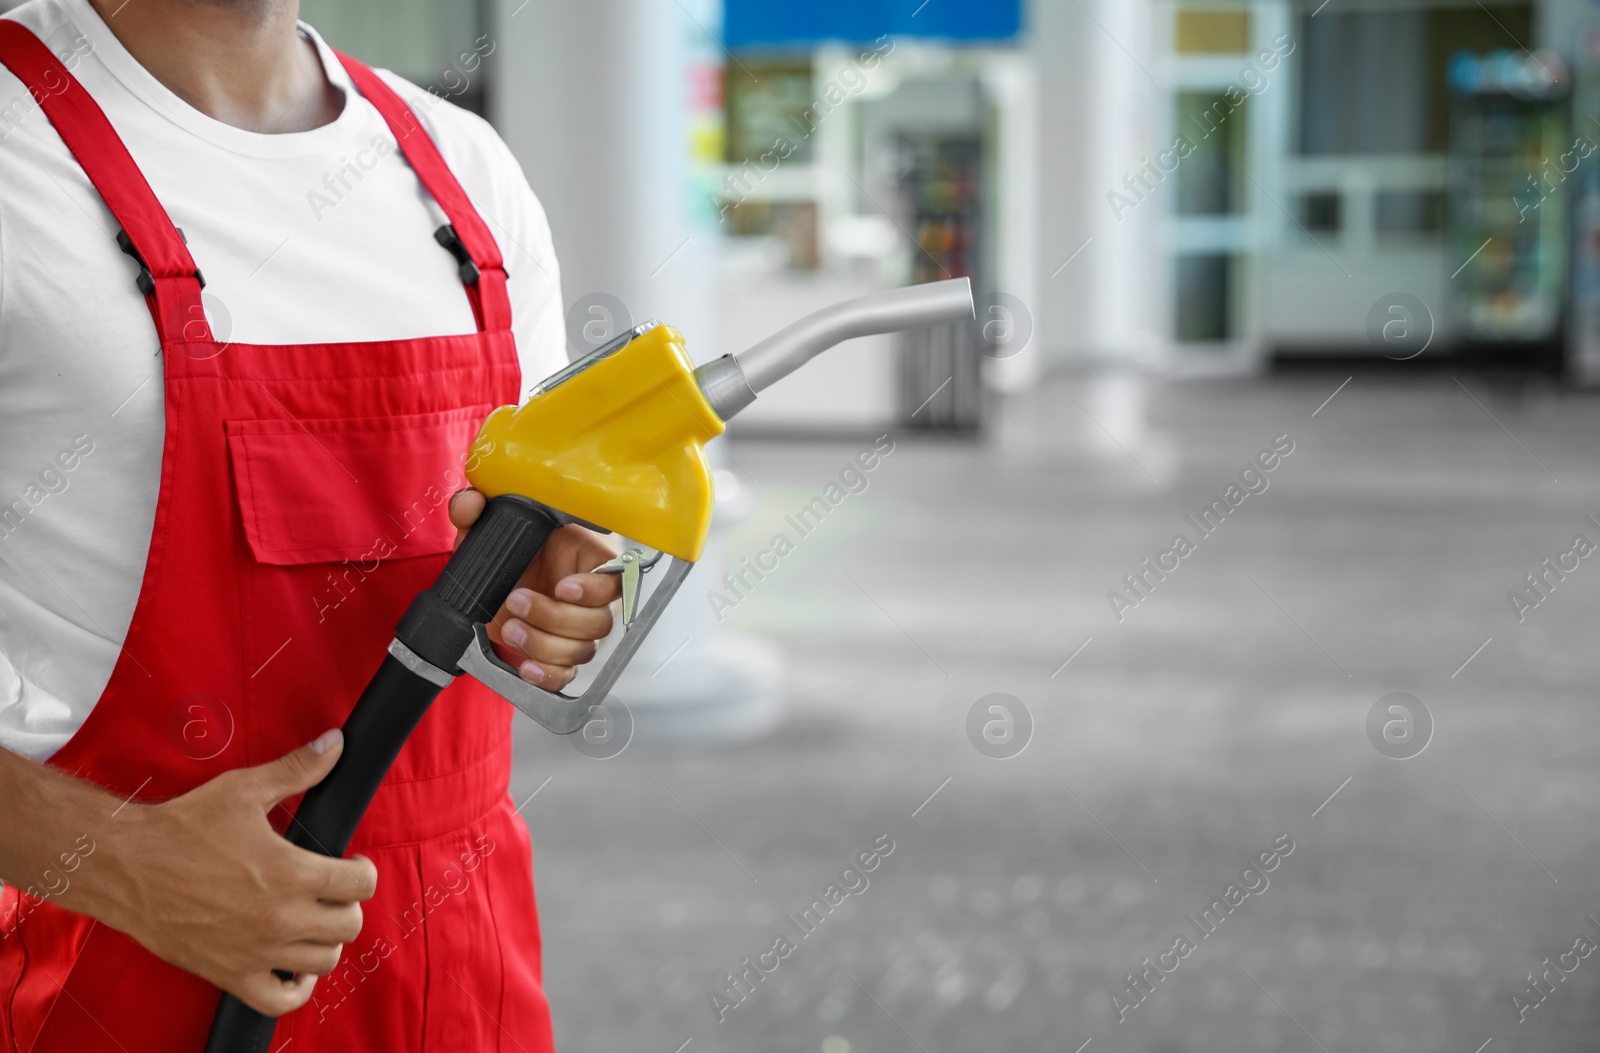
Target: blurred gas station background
[1358,241]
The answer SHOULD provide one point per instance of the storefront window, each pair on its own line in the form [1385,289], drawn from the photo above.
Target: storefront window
[1210,179]
[1205,297]
[1374,81]
[772,110]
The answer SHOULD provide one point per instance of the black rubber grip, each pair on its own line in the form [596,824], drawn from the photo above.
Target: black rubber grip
[437,627]
[485,567]
[239,1029]
[480,575]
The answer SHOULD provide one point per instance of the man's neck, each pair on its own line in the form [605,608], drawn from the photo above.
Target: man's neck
[241,62]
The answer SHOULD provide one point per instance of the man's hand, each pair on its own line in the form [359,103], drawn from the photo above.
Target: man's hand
[554,619]
[204,882]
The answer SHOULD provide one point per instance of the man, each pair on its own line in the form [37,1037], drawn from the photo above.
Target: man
[216,505]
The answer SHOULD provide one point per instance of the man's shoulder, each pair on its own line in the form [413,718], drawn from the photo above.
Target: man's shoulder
[486,168]
[42,17]
[462,135]
[50,23]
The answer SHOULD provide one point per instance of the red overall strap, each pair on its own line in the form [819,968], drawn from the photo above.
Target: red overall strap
[487,291]
[174,293]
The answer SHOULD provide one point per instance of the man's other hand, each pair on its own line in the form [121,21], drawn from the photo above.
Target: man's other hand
[207,884]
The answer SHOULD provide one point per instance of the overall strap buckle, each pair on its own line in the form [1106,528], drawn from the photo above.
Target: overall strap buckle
[447,236]
[145,282]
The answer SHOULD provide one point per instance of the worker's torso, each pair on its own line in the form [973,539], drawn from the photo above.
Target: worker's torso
[301,506]
[303,237]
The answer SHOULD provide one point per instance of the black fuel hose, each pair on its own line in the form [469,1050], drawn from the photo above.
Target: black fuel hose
[437,628]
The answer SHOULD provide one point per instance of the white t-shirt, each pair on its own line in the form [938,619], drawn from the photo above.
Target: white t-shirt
[307,237]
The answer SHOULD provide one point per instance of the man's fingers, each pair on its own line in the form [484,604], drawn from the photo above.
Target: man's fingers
[554,678]
[313,959]
[338,880]
[300,770]
[465,508]
[589,590]
[575,621]
[270,996]
[546,648]
[328,924]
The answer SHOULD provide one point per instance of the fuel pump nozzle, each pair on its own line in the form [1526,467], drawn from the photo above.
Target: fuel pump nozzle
[732,382]
[614,442]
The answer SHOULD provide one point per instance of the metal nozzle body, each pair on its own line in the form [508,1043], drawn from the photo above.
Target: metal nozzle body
[732,382]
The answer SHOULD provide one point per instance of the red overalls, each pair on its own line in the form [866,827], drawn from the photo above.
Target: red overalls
[302,506]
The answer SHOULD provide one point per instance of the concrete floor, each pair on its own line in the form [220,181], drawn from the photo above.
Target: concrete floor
[1172,750]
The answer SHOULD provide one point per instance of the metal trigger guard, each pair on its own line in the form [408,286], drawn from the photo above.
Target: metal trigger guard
[557,711]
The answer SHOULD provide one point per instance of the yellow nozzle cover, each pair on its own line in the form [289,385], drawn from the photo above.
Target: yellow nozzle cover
[621,445]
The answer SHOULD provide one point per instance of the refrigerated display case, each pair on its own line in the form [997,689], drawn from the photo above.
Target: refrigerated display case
[1511,156]
[941,181]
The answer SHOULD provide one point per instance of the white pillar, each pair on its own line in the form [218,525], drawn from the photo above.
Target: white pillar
[594,100]
[1012,86]
[1096,100]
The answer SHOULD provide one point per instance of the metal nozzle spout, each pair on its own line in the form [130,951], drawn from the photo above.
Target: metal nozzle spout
[732,382]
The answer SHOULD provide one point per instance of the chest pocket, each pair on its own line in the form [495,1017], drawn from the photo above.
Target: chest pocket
[360,490]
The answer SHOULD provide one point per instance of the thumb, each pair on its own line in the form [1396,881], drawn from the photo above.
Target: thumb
[465,508]
[298,771]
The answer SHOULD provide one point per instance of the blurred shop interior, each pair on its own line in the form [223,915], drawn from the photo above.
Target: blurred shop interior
[1161,189]
[1177,186]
